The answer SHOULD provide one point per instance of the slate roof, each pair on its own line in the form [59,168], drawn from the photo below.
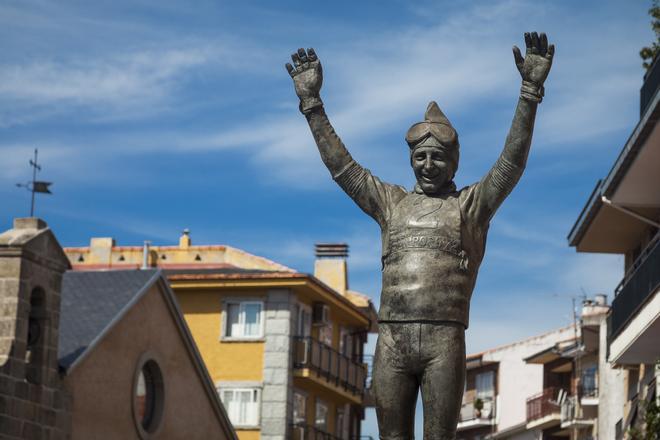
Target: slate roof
[91,301]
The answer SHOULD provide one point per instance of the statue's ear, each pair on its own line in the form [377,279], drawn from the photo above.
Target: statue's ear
[434,114]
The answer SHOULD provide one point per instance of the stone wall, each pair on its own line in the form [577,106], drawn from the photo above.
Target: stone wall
[33,403]
[277,394]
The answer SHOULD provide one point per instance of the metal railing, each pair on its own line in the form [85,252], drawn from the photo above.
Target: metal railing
[327,362]
[469,412]
[543,404]
[369,362]
[650,86]
[636,286]
[572,411]
[569,409]
[303,431]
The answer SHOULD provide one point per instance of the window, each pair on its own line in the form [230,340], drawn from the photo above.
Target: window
[148,397]
[299,408]
[485,385]
[345,342]
[304,324]
[325,334]
[590,381]
[36,353]
[339,423]
[242,405]
[321,416]
[243,320]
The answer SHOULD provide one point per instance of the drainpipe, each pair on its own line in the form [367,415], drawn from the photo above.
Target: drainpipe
[145,254]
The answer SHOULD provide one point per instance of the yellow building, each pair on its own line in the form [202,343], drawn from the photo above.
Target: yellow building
[285,349]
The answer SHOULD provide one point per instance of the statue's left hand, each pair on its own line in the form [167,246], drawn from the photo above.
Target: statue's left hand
[538,58]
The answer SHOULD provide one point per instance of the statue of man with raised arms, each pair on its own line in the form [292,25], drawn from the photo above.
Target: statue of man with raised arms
[433,241]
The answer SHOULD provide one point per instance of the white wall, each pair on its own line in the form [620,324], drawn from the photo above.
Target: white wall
[518,380]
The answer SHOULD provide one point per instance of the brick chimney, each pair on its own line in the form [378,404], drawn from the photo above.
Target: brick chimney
[330,265]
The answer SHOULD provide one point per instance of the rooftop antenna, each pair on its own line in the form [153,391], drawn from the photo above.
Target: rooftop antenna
[35,186]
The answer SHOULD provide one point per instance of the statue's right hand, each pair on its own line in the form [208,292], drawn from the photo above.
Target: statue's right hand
[307,75]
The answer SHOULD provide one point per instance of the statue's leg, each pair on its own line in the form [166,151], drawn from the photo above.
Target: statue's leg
[395,384]
[443,380]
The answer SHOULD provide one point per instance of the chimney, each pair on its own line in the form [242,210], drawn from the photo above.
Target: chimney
[100,250]
[330,265]
[184,240]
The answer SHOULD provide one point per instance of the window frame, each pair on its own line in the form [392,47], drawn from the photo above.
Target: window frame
[241,303]
[305,397]
[239,389]
[321,402]
[304,309]
[485,395]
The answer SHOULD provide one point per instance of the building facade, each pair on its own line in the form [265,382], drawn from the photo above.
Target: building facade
[622,216]
[499,383]
[89,355]
[284,349]
[582,393]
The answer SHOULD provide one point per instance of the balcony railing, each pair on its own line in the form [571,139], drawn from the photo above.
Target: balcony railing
[569,409]
[328,363]
[650,86]
[303,431]
[636,287]
[572,413]
[543,404]
[468,411]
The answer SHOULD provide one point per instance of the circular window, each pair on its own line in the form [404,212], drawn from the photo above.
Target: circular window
[148,397]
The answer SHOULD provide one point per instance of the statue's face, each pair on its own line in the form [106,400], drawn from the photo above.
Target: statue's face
[432,168]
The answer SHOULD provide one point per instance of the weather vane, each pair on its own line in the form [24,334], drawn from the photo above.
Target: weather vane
[35,186]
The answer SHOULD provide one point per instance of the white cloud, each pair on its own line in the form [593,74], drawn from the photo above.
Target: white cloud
[117,82]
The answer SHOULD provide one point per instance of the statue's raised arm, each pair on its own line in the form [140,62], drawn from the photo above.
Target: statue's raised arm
[307,75]
[508,169]
[371,194]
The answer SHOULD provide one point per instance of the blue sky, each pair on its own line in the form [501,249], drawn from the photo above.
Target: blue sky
[151,117]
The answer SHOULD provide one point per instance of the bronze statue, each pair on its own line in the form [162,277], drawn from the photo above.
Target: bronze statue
[433,241]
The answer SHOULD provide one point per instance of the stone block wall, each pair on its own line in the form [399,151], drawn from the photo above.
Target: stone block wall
[277,394]
[33,402]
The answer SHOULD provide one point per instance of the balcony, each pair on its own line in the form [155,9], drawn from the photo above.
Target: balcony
[473,418]
[636,287]
[650,86]
[322,363]
[573,415]
[588,393]
[302,431]
[543,409]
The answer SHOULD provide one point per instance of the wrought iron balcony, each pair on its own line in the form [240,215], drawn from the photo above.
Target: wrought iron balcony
[326,362]
[303,431]
[636,287]
[650,86]
[543,404]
